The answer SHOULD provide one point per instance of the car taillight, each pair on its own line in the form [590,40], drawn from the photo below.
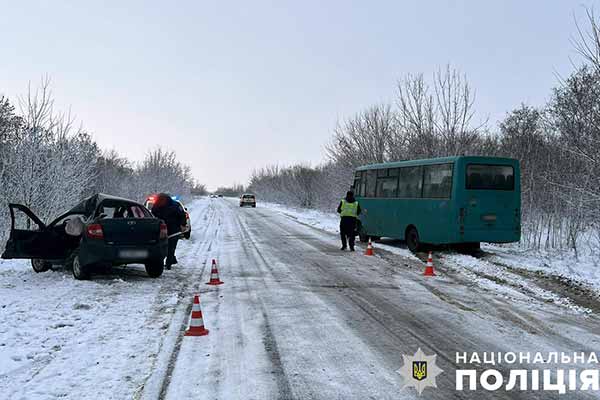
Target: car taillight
[163,231]
[94,231]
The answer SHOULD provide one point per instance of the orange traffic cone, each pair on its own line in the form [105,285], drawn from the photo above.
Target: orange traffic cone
[214,275]
[429,268]
[369,251]
[196,322]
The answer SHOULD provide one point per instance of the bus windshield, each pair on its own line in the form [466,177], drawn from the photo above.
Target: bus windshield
[490,177]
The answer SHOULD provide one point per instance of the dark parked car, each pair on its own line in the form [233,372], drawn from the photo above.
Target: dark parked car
[102,230]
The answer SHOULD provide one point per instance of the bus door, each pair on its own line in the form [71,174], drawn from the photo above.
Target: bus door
[388,211]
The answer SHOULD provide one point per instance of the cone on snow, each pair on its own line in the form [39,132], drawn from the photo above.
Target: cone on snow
[214,275]
[369,251]
[196,322]
[429,268]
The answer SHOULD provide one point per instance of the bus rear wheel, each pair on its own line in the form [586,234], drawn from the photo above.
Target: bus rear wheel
[472,248]
[412,239]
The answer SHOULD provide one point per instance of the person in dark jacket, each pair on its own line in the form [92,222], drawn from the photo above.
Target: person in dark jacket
[349,210]
[171,213]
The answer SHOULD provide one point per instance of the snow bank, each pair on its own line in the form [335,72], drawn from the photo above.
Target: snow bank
[60,337]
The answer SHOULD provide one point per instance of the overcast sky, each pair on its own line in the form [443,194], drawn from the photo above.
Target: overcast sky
[231,86]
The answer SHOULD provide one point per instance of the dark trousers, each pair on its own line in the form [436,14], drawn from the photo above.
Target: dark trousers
[347,231]
[171,253]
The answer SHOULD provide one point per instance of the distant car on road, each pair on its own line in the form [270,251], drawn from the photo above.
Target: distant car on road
[187,229]
[247,199]
[102,230]
[213,196]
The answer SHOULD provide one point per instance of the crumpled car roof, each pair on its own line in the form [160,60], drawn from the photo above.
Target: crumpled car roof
[88,205]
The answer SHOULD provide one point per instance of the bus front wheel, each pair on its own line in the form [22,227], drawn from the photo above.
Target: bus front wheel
[362,236]
[412,239]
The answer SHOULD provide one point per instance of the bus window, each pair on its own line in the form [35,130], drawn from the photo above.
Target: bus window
[490,177]
[371,183]
[437,181]
[410,182]
[381,173]
[393,172]
[386,187]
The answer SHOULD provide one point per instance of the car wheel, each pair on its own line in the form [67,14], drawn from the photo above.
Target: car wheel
[155,268]
[40,265]
[187,235]
[412,239]
[80,272]
[254,206]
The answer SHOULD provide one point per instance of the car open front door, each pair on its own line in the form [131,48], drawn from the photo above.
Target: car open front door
[30,238]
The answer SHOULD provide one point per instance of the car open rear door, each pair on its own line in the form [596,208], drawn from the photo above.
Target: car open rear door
[30,238]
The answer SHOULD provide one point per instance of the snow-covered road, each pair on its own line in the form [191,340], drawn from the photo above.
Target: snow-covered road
[296,318]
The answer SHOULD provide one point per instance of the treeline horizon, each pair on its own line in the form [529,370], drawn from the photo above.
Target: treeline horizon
[557,144]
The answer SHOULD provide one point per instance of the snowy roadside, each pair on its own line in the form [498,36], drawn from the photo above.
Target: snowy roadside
[63,338]
[585,269]
[499,265]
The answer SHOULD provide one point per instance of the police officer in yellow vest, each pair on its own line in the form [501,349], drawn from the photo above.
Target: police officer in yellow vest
[349,209]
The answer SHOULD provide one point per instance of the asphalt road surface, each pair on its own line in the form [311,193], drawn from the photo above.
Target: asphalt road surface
[295,319]
[299,319]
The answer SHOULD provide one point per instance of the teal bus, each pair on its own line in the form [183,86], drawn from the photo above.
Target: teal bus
[460,200]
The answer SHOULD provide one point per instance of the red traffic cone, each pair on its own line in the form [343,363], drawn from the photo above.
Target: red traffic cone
[429,268]
[369,251]
[214,275]
[196,322]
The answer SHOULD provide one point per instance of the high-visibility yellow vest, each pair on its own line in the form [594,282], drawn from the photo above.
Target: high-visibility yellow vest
[349,209]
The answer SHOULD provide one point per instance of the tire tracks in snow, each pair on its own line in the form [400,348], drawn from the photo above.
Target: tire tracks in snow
[157,384]
[269,340]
